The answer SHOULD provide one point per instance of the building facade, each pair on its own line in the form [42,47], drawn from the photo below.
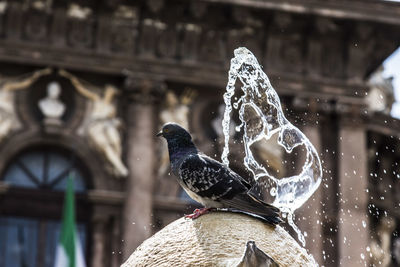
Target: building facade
[85,85]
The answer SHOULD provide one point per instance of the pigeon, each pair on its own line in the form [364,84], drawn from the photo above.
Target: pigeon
[210,182]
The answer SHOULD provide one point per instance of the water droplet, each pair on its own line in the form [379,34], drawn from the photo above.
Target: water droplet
[273,191]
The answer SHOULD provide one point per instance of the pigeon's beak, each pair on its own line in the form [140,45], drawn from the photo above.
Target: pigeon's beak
[160,133]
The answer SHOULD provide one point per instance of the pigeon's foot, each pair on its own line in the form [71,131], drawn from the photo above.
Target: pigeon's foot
[198,212]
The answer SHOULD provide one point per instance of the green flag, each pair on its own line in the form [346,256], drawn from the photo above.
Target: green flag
[69,250]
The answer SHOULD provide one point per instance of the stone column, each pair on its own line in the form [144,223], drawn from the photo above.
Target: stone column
[309,216]
[318,215]
[141,130]
[353,233]
[116,242]
[99,226]
[329,188]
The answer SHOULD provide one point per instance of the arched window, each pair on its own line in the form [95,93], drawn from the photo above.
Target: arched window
[30,223]
[44,169]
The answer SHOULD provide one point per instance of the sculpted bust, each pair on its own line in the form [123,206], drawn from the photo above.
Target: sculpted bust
[51,107]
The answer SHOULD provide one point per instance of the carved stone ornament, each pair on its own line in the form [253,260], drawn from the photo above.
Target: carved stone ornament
[102,32]
[190,43]
[36,26]
[155,5]
[78,12]
[101,125]
[126,12]
[43,5]
[123,29]
[167,44]
[80,33]
[123,36]
[51,106]
[8,117]
[150,33]
[211,49]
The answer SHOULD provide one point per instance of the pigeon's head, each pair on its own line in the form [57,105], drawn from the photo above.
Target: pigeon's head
[173,131]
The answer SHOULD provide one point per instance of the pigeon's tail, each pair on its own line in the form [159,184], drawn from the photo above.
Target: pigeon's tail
[271,219]
[248,204]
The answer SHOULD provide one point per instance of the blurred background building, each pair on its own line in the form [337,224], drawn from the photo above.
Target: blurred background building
[85,85]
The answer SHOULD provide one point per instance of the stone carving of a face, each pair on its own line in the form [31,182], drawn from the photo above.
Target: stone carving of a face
[53,90]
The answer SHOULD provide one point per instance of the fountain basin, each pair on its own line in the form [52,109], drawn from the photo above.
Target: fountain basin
[217,239]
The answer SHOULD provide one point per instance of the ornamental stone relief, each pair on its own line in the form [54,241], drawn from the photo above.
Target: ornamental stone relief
[80,26]
[167,45]
[51,106]
[9,120]
[36,25]
[197,32]
[101,125]
[190,41]
[80,33]
[123,29]
[212,47]
[151,30]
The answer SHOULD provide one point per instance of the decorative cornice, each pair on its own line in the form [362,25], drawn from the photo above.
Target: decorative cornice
[106,197]
[381,11]
[305,54]
[383,124]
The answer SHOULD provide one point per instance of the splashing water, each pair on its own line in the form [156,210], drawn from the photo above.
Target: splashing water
[261,117]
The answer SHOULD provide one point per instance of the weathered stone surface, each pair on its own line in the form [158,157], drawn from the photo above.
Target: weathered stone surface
[217,239]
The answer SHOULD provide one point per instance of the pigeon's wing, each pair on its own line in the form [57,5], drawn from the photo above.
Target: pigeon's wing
[211,179]
[228,172]
[249,204]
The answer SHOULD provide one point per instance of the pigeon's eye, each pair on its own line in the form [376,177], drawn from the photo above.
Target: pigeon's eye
[166,130]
